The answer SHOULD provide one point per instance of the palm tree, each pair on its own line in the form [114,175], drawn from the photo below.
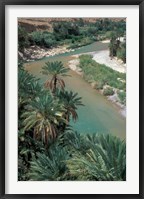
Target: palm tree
[81,157]
[44,114]
[57,70]
[28,87]
[71,101]
[114,43]
[49,166]
[104,158]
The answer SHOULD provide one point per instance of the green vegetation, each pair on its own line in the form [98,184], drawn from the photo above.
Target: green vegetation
[102,75]
[99,73]
[77,157]
[55,69]
[23,39]
[108,91]
[43,115]
[117,48]
[41,109]
[122,97]
[44,39]
[48,149]
[74,34]
[121,52]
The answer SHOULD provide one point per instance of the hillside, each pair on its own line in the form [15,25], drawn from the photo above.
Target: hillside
[41,24]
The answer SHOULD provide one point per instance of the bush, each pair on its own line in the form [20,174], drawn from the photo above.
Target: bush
[122,96]
[108,91]
[63,30]
[121,53]
[100,85]
[23,38]
[43,39]
[37,38]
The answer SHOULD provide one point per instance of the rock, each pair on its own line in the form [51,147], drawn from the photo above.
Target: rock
[121,80]
[20,56]
[93,85]
[36,52]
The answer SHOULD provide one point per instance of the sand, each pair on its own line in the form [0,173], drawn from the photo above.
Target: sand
[103,57]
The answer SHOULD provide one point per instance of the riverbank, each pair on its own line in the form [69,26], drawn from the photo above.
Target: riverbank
[102,58]
[34,53]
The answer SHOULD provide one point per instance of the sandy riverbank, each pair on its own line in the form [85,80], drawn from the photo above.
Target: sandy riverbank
[102,57]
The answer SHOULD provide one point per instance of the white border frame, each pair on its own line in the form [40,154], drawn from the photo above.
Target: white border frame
[131,186]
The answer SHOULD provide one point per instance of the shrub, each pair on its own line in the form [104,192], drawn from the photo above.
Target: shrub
[48,42]
[49,39]
[63,30]
[121,53]
[108,91]
[100,85]
[122,96]
[43,39]
[23,38]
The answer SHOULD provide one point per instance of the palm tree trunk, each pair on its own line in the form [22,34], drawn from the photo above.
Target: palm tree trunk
[55,84]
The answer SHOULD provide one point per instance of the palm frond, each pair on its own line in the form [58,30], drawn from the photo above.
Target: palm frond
[49,167]
[54,68]
[103,160]
[44,114]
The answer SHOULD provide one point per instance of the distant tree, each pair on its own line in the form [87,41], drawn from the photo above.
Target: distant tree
[121,52]
[81,22]
[114,44]
[63,30]
[23,38]
[37,38]
[49,40]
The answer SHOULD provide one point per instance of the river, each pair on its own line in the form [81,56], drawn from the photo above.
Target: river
[98,114]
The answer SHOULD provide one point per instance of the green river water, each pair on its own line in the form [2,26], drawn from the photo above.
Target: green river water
[98,114]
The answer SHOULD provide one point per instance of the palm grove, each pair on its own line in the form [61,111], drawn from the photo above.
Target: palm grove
[48,148]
